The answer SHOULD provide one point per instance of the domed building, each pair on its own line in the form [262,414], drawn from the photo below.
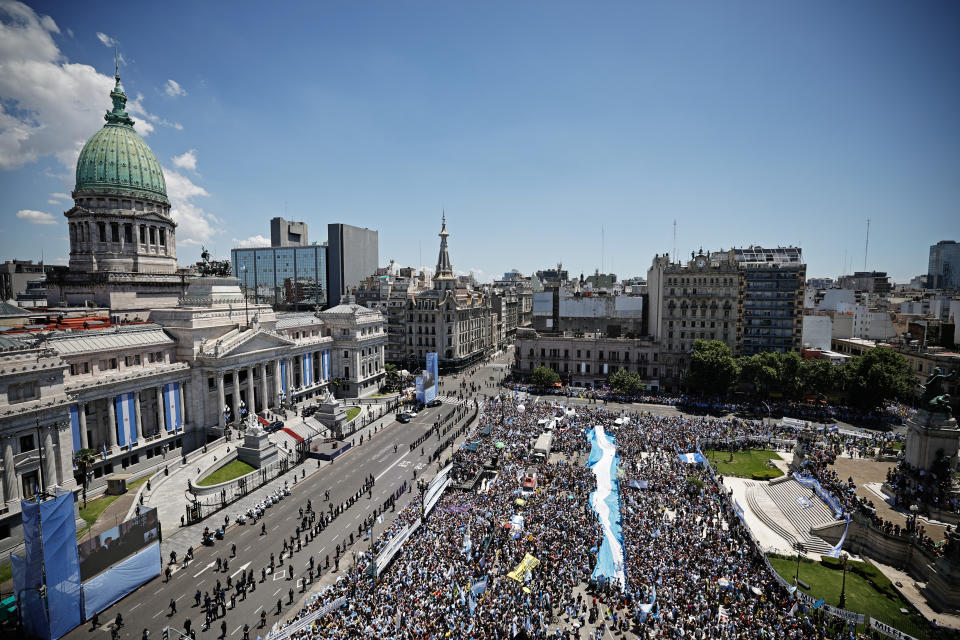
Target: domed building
[122,239]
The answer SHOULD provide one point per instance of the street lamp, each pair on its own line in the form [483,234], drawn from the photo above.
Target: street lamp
[800,549]
[843,586]
[246,317]
[227,414]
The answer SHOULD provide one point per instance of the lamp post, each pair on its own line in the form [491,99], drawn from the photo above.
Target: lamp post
[243,414]
[913,517]
[227,414]
[843,586]
[246,317]
[800,549]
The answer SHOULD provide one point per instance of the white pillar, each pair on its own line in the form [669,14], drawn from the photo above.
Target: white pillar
[111,424]
[82,414]
[221,396]
[161,418]
[138,415]
[236,395]
[11,489]
[264,387]
[180,393]
[251,395]
[277,380]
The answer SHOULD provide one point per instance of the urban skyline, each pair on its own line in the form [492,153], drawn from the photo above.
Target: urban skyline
[600,125]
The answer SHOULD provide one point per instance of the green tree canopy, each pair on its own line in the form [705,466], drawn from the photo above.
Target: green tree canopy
[627,382]
[391,380]
[713,369]
[879,375]
[544,377]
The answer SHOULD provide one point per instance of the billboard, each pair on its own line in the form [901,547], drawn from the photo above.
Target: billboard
[428,385]
[116,543]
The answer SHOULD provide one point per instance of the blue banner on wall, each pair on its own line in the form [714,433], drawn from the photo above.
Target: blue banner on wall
[431,378]
[75,425]
[126,418]
[172,411]
[326,364]
[283,375]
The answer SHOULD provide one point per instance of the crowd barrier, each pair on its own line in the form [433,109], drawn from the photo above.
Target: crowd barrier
[306,621]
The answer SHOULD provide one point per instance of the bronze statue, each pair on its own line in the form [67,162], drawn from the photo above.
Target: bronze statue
[934,399]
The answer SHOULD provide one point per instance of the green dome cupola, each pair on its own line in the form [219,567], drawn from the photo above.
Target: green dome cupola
[116,160]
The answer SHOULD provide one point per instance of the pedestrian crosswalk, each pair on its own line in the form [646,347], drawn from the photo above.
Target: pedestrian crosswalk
[448,399]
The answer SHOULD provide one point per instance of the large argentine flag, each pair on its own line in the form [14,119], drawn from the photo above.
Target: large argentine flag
[325,364]
[691,458]
[172,412]
[307,370]
[283,375]
[126,419]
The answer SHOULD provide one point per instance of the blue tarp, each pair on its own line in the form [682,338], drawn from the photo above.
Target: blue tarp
[61,562]
[104,589]
[32,608]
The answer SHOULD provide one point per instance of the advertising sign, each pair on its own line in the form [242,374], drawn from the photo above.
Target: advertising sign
[431,378]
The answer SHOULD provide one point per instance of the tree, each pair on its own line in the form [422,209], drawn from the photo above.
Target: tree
[821,377]
[626,382]
[544,377]
[762,370]
[713,369]
[83,459]
[392,379]
[790,380]
[879,375]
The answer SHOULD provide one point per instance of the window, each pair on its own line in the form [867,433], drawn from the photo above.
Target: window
[31,484]
[115,232]
[26,443]
[346,372]
[153,235]
[128,233]
[131,361]
[163,237]
[102,231]
[21,392]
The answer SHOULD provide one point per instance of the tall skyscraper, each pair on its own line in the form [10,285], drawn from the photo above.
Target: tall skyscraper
[352,255]
[943,269]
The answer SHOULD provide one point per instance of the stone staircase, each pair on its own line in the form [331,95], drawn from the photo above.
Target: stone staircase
[784,495]
[763,515]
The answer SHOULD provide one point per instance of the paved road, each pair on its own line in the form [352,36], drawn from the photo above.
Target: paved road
[148,607]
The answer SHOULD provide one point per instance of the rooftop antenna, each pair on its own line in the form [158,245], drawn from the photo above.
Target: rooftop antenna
[674,238]
[866,246]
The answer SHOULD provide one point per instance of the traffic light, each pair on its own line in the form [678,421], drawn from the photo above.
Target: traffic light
[166,633]
[42,591]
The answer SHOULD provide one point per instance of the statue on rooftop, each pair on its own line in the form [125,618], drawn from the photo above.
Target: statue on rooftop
[934,399]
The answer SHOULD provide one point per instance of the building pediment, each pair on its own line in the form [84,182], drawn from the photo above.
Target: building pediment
[254,341]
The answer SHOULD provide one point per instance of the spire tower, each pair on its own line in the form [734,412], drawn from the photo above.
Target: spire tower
[444,278]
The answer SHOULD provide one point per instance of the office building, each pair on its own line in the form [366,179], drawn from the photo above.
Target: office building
[286,233]
[770,307]
[869,281]
[288,278]
[943,268]
[352,255]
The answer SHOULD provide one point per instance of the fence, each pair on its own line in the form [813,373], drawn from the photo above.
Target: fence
[208,500]
[306,621]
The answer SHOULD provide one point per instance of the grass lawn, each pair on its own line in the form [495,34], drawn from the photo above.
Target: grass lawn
[878,600]
[352,413]
[227,472]
[6,572]
[746,464]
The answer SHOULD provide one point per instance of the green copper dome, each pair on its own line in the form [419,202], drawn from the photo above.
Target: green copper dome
[116,160]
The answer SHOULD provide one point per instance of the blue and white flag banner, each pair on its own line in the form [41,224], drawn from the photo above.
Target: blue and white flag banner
[307,369]
[172,411]
[691,458]
[283,375]
[75,425]
[835,552]
[326,364]
[126,418]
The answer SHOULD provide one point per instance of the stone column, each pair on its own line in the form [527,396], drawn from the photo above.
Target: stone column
[221,395]
[111,424]
[161,418]
[264,387]
[277,380]
[50,456]
[139,416]
[303,370]
[82,414]
[11,490]
[251,395]
[183,405]
[236,394]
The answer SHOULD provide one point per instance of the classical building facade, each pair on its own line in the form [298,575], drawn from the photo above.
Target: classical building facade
[690,301]
[455,322]
[587,361]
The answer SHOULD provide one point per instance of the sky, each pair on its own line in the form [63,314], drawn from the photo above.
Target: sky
[573,132]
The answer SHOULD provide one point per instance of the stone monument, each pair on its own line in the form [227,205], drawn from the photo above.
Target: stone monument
[257,450]
[933,434]
[332,415]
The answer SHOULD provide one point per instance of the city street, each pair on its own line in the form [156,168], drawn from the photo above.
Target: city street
[149,607]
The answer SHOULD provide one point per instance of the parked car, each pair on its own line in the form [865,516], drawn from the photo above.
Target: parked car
[436,402]
[276,425]
[404,418]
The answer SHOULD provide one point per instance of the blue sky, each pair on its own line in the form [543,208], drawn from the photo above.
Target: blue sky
[537,126]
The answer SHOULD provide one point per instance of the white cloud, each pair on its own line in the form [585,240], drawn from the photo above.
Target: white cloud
[61,260]
[53,202]
[106,40]
[60,196]
[36,217]
[194,225]
[186,160]
[174,89]
[50,106]
[253,241]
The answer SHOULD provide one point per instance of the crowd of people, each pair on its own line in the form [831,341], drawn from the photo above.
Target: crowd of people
[692,568]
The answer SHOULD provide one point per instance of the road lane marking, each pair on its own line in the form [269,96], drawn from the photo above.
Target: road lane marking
[135,606]
[158,613]
[157,592]
[278,591]
[197,575]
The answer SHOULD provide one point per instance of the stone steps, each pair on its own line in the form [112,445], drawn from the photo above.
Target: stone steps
[785,495]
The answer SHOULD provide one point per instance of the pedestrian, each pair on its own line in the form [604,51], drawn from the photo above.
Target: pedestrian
[145,635]
[223,629]
[173,606]
[186,626]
